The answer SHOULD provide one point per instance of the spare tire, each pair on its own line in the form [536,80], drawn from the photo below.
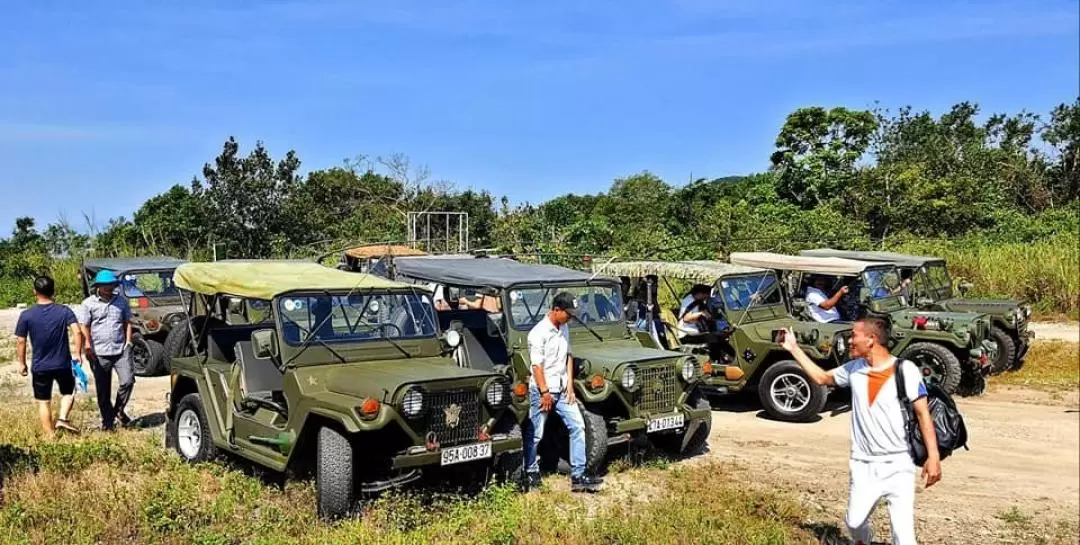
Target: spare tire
[178,341]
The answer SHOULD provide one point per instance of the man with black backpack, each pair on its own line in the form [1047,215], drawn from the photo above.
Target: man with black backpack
[882,461]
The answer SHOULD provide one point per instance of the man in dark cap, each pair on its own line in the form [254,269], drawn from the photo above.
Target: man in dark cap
[551,388]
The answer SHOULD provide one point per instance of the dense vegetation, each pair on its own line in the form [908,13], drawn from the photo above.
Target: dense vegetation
[997,195]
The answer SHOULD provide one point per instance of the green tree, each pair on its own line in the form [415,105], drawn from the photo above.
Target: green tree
[817,151]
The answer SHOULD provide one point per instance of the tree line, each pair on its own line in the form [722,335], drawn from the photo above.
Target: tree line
[841,176]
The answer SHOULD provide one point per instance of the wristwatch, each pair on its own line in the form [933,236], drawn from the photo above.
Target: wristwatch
[545,392]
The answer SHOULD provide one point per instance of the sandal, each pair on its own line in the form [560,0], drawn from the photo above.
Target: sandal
[66,426]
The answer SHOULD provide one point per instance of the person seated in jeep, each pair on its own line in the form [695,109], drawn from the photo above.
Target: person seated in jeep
[644,304]
[488,300]
[822,308]
[696,315]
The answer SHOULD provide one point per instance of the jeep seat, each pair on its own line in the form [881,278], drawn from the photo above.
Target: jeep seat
[261,382]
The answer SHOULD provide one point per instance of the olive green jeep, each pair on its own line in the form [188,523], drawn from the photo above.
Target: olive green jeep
[146,283]
[931,288]
[748,310]
[341,374]
[626,391]
[950,348]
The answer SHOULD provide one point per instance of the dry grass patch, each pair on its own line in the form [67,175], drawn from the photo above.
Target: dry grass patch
[126,488]
[1050,365]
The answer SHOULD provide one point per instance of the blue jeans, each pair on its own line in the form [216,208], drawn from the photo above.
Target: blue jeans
[575,424]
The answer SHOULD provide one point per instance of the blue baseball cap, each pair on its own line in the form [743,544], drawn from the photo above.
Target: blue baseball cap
[105,277]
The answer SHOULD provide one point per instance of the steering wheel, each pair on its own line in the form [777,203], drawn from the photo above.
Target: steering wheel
[383,325]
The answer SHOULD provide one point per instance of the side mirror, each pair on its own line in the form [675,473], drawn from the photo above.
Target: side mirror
[494,325]
[264,344]
[236,305]
[965,287]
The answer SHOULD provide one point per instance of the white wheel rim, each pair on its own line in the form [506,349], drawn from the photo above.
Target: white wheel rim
[188,434]
[790,392]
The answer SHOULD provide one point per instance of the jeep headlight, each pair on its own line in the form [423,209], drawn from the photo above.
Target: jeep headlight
[628,378]
[689,369]
[1027,311]
[497,393]
[412,403]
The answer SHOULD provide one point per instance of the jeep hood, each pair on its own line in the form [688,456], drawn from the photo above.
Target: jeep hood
[360,379]
[956,317]
[987,306]
[616,352]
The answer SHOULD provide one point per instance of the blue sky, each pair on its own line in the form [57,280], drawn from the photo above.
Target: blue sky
[105,105]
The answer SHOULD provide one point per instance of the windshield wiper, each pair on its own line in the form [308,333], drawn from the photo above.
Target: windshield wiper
[587,326]
[311,337]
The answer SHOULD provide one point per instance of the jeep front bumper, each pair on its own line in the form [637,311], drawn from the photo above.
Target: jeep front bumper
[641,422]
[420,456]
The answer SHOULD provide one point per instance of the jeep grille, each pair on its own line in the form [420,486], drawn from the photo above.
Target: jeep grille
[440,420]
[658,388]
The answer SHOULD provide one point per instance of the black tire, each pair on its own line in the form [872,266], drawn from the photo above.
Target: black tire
[191,406]
[972,383]
[510,466]
[334,474]
[791,382]
[937,364]
[555,445]
[147,357]
[679,444]
[1006,351]
[178,341]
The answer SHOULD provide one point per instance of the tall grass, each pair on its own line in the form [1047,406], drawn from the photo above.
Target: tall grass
[1045,273]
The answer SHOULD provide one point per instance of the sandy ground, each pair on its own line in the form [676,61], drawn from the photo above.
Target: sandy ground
[1063,331]
[1024,462]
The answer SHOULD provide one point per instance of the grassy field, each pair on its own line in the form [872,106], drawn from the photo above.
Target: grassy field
[125,488]
[1057,368]
[1044,272]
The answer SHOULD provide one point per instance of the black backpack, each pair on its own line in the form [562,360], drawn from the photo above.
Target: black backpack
[948,422]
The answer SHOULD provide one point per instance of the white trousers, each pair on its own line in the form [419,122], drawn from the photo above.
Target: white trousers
[870,481]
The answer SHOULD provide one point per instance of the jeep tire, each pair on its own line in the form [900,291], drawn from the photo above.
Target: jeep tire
[189,431]
[334,474]
[147,357]
[678,444]
[555,444]
[936,363]
[787,393]
[1006,351]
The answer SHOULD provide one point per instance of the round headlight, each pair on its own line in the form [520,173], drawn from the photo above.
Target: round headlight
[453,338]
[628,378]
[841,344]
[496,394]
[412,403]
[689,369]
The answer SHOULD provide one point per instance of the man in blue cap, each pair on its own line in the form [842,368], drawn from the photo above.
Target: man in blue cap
[105,320]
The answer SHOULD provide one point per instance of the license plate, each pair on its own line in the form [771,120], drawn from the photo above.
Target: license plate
[669,422]
[467,453]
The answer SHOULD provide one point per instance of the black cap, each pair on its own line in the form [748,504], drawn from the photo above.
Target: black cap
[564,301]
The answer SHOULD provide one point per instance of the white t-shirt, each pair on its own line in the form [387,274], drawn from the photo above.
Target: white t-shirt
[548,349]
[877,422]
[814,299]
[687,328]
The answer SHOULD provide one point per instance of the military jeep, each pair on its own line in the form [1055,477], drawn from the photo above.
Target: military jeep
[749,307]
[626,392]
[932,289]
[950,348]
[341,374]
[146,282]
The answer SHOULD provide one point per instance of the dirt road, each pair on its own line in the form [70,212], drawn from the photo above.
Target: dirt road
[1023,466]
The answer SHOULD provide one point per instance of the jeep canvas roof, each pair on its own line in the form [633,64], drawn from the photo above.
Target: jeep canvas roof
[815,265]
[488,272]
[380,250]
[903,260]
[701,271]
[268,279]
[124,264]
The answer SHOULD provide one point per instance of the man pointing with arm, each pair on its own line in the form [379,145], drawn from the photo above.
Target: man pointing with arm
[880,463]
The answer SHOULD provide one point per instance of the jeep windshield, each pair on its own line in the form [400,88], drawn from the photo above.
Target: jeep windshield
[881,284]
[600,304]
[937,279]
[345,318]
[742,292]
[149,284]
